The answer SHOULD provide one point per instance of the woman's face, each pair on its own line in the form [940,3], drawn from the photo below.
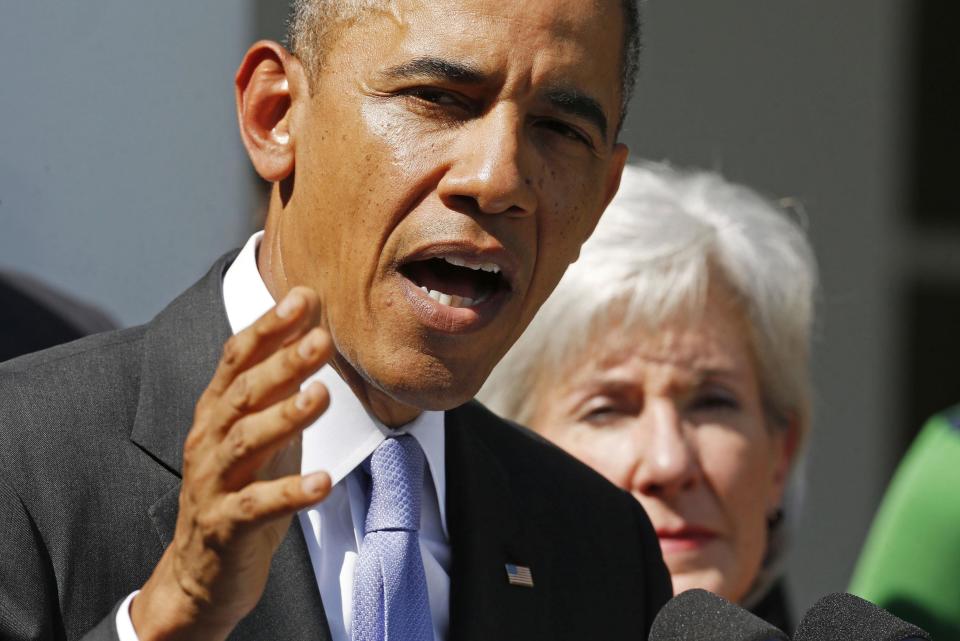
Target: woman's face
[675,417]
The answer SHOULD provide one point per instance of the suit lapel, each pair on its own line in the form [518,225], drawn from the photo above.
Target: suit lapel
[487,531]
[290,608]
[181,349]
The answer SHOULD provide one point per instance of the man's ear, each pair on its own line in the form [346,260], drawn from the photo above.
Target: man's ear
[611,184]
[618,160]
[270,83]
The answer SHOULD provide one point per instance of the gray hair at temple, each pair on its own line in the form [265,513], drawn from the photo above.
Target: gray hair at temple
[312,23]
[665,236]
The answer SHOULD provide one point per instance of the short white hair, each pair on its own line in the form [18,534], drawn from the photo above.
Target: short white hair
[666,234]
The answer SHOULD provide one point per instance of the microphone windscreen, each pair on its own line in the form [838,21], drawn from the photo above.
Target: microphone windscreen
[698,615]
[842,616]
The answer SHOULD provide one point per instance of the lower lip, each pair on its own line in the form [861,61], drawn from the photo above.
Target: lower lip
[451,320]
[684,543]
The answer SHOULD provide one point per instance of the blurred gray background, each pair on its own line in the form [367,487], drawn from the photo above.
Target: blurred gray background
[122,177]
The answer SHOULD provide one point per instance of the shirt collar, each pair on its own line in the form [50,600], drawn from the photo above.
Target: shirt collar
[346,433]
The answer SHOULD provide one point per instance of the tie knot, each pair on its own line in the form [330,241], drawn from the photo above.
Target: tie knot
[396,479]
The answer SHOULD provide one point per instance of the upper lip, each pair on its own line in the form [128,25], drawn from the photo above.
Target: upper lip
[685,531]
[471,253]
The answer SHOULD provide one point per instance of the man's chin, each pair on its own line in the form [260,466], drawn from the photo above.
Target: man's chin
[421,384]
[432,396]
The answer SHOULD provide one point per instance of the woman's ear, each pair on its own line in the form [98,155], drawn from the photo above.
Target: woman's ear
[785,443]
[269,85]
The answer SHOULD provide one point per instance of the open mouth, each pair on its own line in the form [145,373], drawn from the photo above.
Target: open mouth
[456,282]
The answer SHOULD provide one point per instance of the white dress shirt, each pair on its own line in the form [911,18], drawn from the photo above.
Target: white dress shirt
[338,442]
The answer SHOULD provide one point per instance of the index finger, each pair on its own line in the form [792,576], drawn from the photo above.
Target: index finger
[296,314]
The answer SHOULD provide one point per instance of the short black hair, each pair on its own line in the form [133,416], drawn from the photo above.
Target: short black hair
[632,45]
[310,22]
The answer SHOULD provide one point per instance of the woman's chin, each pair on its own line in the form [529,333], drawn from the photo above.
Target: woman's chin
[710,579]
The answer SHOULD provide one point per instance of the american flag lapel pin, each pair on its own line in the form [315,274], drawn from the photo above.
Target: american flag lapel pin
[519,575]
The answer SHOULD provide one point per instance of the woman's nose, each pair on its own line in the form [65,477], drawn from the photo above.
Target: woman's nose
[666,461]
[490,173]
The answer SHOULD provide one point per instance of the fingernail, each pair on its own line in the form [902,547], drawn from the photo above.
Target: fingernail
[306,396]
[303,400]
[309,346]
[314,483]
[290,305]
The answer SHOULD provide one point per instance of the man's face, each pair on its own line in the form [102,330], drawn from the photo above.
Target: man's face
[452,159]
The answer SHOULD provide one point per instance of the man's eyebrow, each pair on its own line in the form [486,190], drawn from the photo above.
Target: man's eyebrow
[436,68]
[579,104]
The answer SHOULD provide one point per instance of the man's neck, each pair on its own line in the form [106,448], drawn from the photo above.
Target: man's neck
[386,409]
[270,259]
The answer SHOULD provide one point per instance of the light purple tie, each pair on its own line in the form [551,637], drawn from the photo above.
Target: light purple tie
[390,600]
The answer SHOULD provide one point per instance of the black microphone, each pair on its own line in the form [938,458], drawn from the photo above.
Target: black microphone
[698,615]
[845,617]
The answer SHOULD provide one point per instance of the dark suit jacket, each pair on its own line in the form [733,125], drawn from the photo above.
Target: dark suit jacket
[90,455]
[774,607]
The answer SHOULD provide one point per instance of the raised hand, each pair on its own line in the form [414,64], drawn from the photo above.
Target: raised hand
[241,481]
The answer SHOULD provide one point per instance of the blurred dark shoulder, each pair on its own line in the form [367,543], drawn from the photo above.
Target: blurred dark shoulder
[774,607]
[35,316]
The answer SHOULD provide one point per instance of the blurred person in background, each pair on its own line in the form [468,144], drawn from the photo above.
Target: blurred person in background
[35,316]
[910,564]
[673,358]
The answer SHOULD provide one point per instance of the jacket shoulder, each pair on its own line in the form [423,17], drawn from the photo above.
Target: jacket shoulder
[567,493]
[67,403]
[602,546]
[84,370]
[74,351]
[528,456]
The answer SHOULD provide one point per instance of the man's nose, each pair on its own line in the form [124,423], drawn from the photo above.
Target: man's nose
[489,173]
[666,460]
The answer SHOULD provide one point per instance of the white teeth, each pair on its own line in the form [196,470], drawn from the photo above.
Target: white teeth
[451,300]
[460,262]
[425,290]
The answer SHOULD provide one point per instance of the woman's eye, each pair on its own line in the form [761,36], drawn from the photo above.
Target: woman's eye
[602,415]
[715,401]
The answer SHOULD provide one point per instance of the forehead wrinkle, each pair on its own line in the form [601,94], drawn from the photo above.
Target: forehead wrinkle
[558,20]
[667,351]
[632,376]
[561,35]
[436,67]
[494,26]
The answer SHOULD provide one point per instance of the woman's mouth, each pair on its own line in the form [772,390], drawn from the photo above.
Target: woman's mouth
[686,538]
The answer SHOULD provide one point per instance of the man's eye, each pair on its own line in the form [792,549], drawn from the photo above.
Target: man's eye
[436,97]
[565,130]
